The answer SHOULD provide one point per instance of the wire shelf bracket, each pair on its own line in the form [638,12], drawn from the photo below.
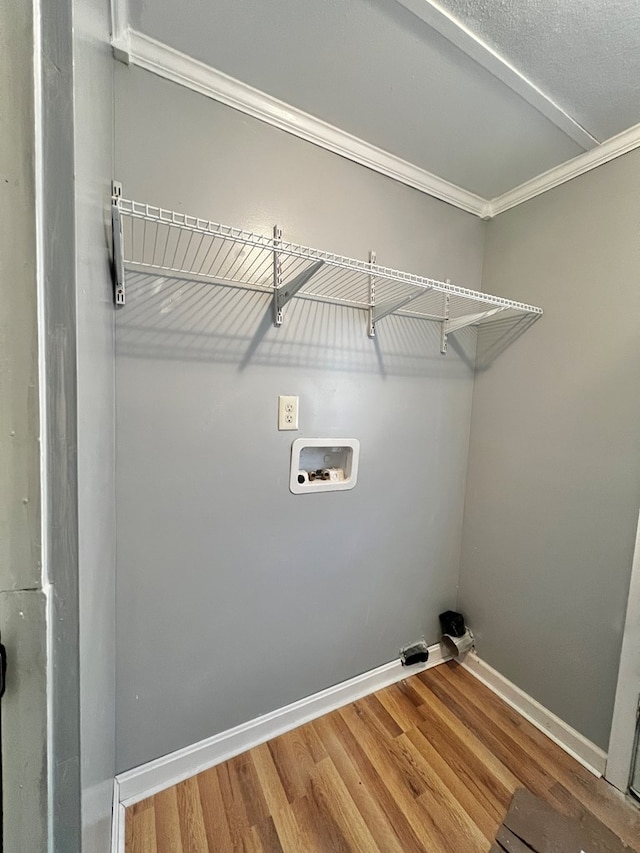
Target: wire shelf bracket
[372,296]
[470,319]
[391,307]
[118,251]
[284,292]
[159,242]
[444,326]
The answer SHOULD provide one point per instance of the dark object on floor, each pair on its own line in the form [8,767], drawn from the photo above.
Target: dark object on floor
[533,825]
[452,623]
[415,653]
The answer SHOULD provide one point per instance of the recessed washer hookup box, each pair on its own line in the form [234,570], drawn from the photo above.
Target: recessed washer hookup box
[323,465]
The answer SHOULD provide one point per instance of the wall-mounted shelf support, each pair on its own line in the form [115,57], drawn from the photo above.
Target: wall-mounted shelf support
[150,240]
[391,307]
[118,253]
[449,326]
[470,319]
[277,274]
[444,325]
[284,292]
[372,297]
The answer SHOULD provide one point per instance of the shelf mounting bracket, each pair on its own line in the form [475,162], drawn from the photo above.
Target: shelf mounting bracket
[386,308]
[372,297]
[444,325]
[277,274]
[118,246]
[284,292]
[471,319]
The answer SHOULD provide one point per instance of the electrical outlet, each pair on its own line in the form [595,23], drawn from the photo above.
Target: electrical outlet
[287,412]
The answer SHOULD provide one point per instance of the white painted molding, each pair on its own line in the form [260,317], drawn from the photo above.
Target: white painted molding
[441,20]
[120,28]
[145,52]
[97,812]
[574,743]
[117,821]
[623,726]
[130,46]
[612,148]
[141,782]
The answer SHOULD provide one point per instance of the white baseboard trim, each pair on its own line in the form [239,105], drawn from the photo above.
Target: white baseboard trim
[141,782]
[575,744]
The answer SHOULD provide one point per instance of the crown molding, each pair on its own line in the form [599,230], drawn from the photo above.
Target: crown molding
[132,47]
[120,28]
[612,148]
[443,22]
[138,49]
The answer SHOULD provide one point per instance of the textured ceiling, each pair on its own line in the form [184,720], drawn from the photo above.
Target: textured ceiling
[584,53]
[378,71]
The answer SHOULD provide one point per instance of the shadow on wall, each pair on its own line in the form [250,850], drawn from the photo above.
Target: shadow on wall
[494,337]
[167,318]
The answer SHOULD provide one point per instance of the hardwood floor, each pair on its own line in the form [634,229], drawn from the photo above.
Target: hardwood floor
[429,764]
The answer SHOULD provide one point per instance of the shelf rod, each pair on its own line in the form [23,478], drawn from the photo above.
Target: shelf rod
[285,292]
[470,319]
[118,249]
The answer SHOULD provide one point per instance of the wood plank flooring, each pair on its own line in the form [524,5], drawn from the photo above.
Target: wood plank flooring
[429,764]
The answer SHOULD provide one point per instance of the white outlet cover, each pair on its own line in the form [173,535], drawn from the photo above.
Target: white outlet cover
[287,412]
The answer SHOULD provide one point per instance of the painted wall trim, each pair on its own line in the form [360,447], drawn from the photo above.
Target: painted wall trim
[574,743]
[612,148]
[625,707]
[132,47]
[443,22]
[117,821]
[138,49]
[146,780]
[119,26]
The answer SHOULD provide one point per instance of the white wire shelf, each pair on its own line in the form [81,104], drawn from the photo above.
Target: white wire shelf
[157,241]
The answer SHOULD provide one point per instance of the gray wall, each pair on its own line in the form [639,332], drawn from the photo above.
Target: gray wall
[23,628]
[93,119]
[20,558]
[25,789]
[58,297]
[554,471]
[235,597]
[38,514]
[376,70]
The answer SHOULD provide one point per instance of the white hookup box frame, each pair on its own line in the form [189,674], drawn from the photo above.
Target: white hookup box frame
[323,465]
